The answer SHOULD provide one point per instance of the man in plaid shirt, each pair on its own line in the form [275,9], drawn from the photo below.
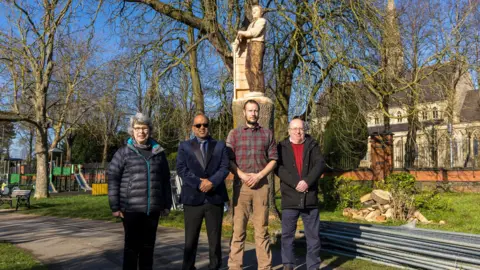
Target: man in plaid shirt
[253,155]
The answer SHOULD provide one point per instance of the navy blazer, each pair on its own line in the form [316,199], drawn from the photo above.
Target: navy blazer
[190,168]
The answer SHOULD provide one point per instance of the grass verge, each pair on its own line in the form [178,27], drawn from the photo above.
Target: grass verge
[12,257]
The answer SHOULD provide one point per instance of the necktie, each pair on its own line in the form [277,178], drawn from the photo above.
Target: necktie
[203,150]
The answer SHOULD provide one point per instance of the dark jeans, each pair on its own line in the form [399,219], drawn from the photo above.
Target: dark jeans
[140,234]
[194,215]
[311,223]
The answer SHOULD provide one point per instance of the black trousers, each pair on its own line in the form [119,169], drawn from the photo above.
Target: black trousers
[140,234]
[213,214]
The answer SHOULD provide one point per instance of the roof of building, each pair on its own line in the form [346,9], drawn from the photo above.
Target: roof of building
[471,107]
[433,83]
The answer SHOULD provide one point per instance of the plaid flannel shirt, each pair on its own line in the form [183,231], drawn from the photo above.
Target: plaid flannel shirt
[251,148]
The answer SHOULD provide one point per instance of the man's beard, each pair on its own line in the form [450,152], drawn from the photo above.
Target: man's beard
[252,122]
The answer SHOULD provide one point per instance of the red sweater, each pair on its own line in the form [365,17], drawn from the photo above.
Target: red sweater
[298,154]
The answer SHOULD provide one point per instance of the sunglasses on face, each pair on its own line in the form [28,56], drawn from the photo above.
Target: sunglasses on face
[199,125]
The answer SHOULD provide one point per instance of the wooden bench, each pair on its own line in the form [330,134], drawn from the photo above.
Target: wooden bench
[22,196]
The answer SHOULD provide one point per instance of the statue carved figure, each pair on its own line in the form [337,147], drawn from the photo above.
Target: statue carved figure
[255,37]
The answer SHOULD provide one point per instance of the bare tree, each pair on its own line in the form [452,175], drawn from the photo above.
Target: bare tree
[28,48]
[70,98]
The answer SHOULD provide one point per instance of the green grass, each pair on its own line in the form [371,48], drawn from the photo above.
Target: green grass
[463,216]
[12,257]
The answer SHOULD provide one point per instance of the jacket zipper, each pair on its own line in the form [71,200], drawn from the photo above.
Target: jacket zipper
[148,180]
[148,186]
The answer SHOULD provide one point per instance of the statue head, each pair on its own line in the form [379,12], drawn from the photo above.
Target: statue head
[257,11]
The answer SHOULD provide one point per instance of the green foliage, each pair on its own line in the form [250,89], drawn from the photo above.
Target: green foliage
[400,183]
[221,125]
[431,200]
[172,160]
[7,133]
[88,147]
[345,138]
[328,192]
[341,192]
[349,192]
[407,199]
[402,188]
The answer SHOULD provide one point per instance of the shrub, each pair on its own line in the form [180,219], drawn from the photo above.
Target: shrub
[348,192]
[430,200]
[407,199]
[402,188]
[401,183]
[327,190]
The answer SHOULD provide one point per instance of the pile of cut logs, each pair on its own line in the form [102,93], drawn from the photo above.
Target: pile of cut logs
[378,208]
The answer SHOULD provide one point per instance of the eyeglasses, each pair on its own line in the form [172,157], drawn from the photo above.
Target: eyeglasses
[138,129]
[298,129]
[199,125]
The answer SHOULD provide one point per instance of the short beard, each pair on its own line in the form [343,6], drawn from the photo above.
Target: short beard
[252,123]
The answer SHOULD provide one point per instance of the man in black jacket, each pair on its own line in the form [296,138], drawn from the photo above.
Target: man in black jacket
[300,166]
[139,191]
[202,163]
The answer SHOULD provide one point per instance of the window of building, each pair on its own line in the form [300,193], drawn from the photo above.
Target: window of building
[475,146]
[377,121]
[399,115]
[475,151]
[424,115]
[455,148]
[435,113]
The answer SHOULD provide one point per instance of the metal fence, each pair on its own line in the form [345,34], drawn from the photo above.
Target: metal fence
[445,153]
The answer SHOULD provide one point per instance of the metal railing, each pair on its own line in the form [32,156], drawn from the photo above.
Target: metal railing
[402,246]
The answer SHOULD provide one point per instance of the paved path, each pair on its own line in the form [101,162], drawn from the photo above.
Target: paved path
[66,243]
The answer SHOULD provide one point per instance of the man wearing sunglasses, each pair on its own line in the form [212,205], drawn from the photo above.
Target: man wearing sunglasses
[202,163]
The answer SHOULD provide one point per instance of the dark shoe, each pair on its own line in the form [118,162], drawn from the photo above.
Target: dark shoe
[288,267]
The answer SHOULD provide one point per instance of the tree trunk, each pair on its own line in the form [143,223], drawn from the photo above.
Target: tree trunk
[105,150]
[280,122]
[41,150]
[282,102]
[386,118]
[69,143]
[195,77]
[410,145]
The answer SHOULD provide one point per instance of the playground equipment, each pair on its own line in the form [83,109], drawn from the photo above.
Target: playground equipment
[16,173]
[51,188]
[10,169]
[80,178]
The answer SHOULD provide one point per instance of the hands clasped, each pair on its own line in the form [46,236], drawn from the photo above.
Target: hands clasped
[302,186]
[205,185]
[250,179]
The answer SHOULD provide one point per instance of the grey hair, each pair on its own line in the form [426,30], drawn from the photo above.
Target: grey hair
[139,118]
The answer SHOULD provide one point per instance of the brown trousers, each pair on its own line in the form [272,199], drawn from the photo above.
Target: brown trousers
[254,66]
[244,199]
